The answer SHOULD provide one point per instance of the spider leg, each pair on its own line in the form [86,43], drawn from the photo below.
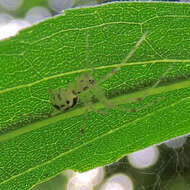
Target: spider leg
[84,119]
[97,90]
[86,63]
[99,93]
[86,98]
[129,55]
[147,92]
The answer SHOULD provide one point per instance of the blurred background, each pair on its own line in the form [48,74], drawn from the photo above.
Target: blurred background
[160,167]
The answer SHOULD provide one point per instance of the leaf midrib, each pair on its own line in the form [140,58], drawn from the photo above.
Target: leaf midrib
[79,111]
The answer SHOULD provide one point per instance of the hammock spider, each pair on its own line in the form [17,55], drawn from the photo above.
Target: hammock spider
[65,98]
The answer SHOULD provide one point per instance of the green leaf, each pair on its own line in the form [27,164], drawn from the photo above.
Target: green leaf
[51,54]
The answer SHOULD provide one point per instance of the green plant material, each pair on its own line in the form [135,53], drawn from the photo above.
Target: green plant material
[35,147]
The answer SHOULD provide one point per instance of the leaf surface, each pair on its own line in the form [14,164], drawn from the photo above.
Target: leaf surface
[51,54]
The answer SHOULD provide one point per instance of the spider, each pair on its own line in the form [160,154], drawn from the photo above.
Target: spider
[63,99]
[66,98]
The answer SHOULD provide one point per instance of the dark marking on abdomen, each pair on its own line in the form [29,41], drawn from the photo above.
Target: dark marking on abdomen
[85,88]
[75,99]
[56,107]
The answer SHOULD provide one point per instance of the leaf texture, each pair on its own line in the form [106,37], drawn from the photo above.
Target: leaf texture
[36,146]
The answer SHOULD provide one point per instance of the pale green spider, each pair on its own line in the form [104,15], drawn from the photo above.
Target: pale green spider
[66,98]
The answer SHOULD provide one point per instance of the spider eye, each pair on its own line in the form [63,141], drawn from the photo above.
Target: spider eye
[67,101]
[91,81]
